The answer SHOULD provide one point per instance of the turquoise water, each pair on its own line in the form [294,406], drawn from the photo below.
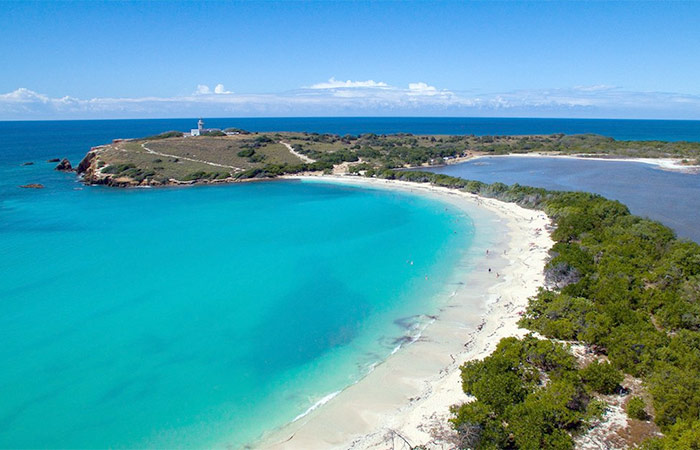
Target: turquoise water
[202,316]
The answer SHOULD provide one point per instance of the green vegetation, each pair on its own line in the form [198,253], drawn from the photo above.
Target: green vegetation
[236,130]
[213,133]
[276,170]
[259,155]
[166,135]
[514,408]
[682,436]
[130,171]
[602,377]
[636,408]
[201,175]
[401,150]
[621,284]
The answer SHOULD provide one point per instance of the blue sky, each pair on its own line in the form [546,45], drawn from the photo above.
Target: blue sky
[531,59]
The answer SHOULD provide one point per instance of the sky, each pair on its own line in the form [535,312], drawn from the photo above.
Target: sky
[119,59]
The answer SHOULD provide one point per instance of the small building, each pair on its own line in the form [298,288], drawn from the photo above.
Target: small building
[200,128]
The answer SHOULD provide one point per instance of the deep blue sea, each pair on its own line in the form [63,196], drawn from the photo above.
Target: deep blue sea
[202,317]
[43,139]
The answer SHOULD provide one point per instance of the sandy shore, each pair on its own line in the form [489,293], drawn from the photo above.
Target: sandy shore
[671,164]
[410,393]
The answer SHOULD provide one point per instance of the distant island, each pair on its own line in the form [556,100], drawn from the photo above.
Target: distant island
[234,155]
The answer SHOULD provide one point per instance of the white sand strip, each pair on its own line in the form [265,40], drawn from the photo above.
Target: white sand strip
[412,390]
[670,164]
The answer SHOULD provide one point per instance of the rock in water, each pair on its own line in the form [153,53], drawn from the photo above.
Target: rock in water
[33,186]
[64,165]
[88,164]
[53,160]
[28,163]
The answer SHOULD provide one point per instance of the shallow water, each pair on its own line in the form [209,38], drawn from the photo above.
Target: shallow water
[202,316]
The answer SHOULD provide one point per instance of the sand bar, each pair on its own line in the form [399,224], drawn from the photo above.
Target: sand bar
[409,394]
[670,164]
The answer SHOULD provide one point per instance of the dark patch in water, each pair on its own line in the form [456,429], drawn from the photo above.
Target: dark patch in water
[329,316]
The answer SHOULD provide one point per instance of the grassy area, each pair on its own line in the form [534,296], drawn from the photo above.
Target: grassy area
[260,155]
[155,167]
[190,158]
[224,150]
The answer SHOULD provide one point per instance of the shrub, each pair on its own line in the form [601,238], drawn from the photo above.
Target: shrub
[201,175]
[636,409]
[118,168]
[246,153]
[166,135]
[236,130]
[213,133]
[602,377]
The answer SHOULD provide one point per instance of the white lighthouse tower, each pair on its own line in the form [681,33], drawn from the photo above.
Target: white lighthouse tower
[200,128]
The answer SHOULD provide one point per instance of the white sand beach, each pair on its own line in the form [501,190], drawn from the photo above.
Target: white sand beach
[670,164]
[406,398]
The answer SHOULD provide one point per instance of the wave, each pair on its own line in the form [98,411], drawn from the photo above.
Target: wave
[318,404]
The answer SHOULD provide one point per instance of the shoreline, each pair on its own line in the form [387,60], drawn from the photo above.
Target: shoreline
[410,392]
[99,179]
[668,164]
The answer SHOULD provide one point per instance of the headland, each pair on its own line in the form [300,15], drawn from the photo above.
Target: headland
[173,158]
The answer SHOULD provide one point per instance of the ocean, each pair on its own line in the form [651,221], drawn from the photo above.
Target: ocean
[202,317]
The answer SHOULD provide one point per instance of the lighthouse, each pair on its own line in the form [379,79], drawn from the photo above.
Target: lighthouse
[199,130]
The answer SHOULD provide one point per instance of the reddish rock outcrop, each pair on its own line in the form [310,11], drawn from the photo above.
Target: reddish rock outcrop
[64,166]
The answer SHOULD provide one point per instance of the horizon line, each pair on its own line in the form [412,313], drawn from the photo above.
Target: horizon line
[355,117]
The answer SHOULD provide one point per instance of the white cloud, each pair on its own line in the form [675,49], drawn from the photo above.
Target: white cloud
[370,98]
[595,88]
[332,83]
[23,95]
[219,89]
[202,89]
[422,88]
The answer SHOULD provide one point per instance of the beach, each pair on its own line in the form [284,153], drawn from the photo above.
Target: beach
[670,164]
[405,400]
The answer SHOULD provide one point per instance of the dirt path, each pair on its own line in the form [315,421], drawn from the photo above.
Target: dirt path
[153,152]
[304,158]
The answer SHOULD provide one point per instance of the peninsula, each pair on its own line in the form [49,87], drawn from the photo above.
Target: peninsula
[172,158]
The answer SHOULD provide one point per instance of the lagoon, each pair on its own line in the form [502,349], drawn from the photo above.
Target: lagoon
[669,197]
